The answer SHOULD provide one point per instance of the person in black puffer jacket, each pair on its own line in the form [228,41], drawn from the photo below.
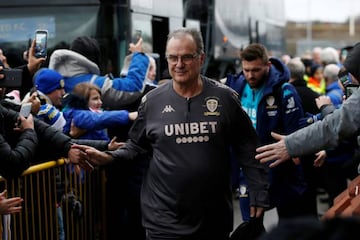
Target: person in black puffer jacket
[17,146]
[21,149]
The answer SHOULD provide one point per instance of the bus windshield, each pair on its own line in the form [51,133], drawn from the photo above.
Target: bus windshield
[63,22]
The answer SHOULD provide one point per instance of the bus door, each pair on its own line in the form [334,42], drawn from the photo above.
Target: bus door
[160,30]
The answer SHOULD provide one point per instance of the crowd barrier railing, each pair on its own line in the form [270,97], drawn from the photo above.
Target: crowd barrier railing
[58,202]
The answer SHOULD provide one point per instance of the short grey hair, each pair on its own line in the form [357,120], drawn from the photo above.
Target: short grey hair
[329,55]
[196,35]
[331,72]
[296,68]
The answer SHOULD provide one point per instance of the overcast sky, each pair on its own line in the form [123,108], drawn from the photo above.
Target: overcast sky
[324,10]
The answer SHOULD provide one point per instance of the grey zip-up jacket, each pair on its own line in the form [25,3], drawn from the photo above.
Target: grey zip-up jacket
[342,124]
[43,143]
[116,93]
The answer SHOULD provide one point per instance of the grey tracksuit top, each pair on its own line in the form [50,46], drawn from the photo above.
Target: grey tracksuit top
[187,190]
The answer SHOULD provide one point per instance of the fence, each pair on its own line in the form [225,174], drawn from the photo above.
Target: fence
[54,194]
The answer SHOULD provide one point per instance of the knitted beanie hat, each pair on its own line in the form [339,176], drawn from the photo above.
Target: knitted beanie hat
[48,80]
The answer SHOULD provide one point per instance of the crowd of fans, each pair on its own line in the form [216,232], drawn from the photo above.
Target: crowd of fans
[74,105]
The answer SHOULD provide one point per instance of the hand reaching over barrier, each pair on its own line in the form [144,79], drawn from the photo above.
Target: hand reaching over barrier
[9,205]
[88,157]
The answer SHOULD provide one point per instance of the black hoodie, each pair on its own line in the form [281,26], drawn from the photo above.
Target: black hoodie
[352,61]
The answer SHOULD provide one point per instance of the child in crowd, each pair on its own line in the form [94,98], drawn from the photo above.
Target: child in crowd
[84,116]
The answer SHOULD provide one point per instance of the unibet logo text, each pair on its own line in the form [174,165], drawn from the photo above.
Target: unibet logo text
[191,132]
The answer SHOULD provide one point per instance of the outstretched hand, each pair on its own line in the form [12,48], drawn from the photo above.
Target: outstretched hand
[76,132]
[24,123]
[113,144]
[35,102]
[273,152]
[9,205]
[136,47]
[76,157]
[34,63]
[88,157]
[322,100]
[320,158]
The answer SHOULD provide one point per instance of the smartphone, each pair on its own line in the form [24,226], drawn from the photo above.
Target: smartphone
[344,78]
[136,36]
[41,37]
[13,78]
[25,109]
[349,89]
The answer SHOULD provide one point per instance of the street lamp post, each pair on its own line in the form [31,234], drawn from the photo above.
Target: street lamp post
[309,26]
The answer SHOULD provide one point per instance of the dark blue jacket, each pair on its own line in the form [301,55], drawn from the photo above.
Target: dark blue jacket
[279,110]
[275,113]
[335,93]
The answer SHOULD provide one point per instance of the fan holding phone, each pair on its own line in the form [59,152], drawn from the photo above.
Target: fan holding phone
[348,83]
[25,109]
[41,36]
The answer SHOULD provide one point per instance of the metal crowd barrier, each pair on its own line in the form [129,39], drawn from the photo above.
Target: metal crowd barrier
[50,190]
